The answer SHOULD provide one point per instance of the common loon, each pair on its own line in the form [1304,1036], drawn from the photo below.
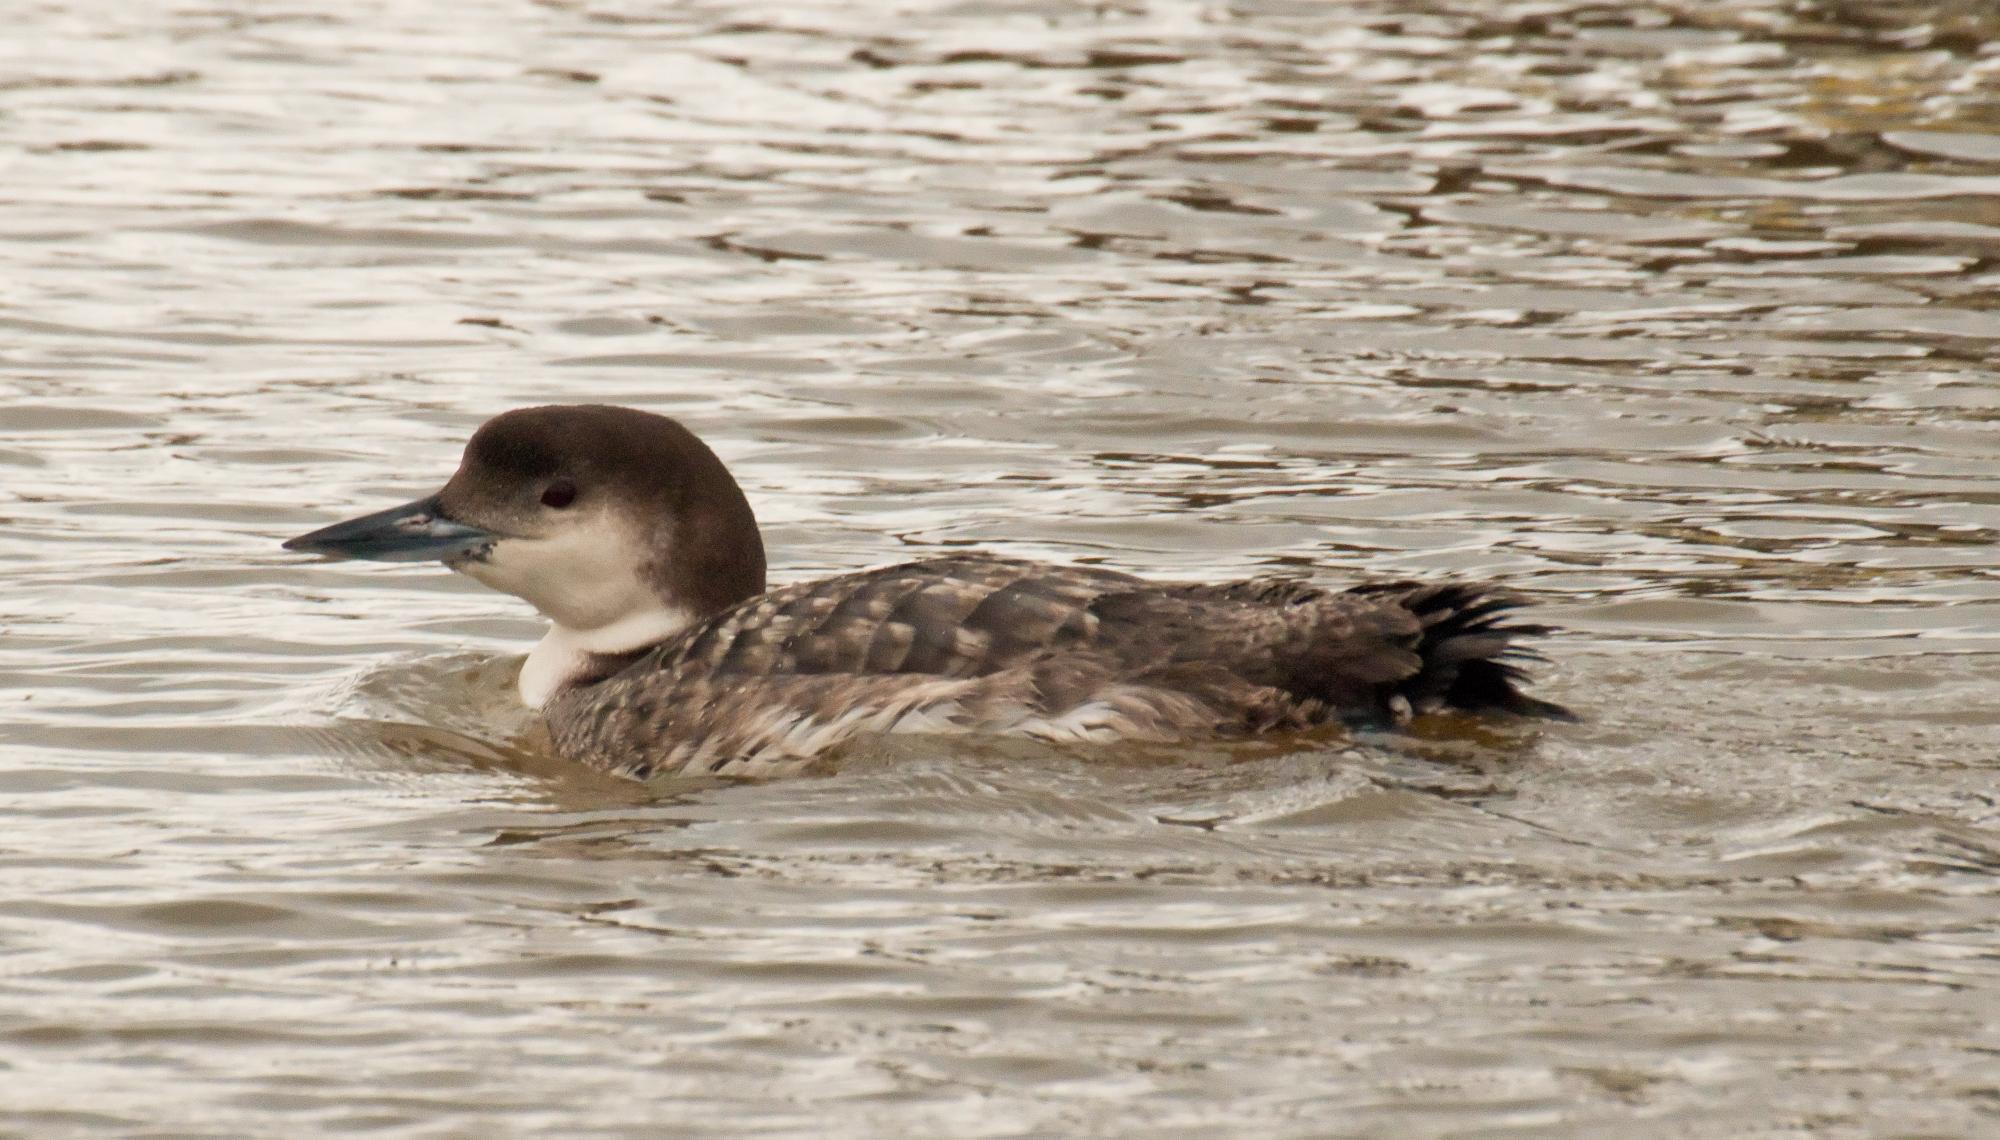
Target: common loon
[667,654]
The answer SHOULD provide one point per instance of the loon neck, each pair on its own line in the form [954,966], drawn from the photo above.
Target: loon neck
[566,658]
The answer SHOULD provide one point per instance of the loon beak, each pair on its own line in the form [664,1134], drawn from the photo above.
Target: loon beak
[413,532]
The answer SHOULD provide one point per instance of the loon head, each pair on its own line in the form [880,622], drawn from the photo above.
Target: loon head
[619,525]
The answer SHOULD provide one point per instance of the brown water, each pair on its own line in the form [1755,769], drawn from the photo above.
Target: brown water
[1678,316]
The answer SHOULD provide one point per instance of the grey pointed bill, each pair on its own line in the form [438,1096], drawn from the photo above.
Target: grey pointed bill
[413,532]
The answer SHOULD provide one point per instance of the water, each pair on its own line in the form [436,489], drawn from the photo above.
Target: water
[1678,316]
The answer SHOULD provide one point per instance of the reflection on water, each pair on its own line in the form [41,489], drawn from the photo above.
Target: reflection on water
[1677,316]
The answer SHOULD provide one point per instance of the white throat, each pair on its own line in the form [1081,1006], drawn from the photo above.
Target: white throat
[589,577]
[563,655]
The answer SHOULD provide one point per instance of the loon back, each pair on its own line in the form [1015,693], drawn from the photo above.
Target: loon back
[977,644]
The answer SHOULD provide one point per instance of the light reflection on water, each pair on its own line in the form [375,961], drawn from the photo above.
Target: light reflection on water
[1677,317]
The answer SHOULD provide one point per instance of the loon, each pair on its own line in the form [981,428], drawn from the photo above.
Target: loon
[667,654]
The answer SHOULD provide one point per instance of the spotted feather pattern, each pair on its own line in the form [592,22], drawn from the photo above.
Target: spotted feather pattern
[977,644]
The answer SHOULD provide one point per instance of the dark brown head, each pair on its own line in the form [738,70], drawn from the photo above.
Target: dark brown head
[616,523]
[597,504]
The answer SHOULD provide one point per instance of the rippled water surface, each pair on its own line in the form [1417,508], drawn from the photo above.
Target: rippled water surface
[1678,316]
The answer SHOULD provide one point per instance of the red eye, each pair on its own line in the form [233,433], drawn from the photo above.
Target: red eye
[559,494]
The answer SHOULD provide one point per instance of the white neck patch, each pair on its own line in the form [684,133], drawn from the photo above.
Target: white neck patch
[587,576]
[564,654]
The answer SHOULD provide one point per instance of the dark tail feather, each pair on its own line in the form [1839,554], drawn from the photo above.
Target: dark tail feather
[1470,649]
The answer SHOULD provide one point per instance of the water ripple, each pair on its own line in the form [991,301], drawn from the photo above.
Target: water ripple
[1675,316]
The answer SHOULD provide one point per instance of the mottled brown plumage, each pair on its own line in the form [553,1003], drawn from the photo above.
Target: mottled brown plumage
[977,644]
